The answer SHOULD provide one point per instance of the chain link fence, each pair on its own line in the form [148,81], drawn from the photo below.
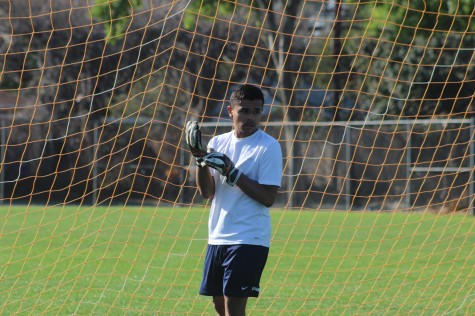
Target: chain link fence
[371,165]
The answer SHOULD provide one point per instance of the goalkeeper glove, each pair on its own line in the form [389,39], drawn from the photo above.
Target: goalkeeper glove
[193,139]
[223,165]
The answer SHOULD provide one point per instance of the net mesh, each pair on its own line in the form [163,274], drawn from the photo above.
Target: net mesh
[372,103]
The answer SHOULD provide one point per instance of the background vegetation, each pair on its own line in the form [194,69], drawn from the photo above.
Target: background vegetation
[85,72]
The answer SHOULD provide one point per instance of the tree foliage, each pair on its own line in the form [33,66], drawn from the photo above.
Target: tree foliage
[405,20]
[261,32]
[420,53]
[207,9]
[115,14]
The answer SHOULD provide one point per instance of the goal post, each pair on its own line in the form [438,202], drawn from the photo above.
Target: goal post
[372,103]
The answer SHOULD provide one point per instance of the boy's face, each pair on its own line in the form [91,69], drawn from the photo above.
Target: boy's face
[246,116]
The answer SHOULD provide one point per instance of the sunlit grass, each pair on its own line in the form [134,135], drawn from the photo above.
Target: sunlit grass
[140,260]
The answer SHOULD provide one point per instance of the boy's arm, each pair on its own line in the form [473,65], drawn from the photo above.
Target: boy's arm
[264,194]
[205,182]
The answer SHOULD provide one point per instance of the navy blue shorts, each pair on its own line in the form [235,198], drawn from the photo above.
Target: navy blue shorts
[233,270]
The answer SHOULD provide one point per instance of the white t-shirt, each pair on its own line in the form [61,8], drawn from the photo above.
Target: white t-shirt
[235,218]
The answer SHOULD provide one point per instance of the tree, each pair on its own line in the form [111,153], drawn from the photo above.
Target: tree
[59,55]
[420,52]
[263,26]
[116,15]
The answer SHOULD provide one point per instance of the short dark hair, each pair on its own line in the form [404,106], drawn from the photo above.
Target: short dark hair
[248,92]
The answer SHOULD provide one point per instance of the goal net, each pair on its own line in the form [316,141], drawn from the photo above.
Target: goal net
[371,101]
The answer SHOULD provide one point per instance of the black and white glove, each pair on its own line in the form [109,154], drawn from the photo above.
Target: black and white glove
[193,139]
[223,165]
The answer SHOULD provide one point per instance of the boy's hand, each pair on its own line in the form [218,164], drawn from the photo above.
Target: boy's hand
[223,165]
[193,139]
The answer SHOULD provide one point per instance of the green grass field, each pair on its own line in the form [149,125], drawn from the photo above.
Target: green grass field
[130,260]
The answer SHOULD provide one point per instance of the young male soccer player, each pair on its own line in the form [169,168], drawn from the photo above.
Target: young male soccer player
[241,171]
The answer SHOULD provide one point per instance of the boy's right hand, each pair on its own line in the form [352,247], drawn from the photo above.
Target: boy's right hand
[193,139]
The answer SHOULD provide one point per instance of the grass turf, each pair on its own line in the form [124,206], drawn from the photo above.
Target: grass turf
[139,260]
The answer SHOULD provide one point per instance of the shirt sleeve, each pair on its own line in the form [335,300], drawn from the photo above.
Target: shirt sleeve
[270,166]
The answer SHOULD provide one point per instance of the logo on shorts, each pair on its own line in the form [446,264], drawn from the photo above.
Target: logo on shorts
[254,289]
